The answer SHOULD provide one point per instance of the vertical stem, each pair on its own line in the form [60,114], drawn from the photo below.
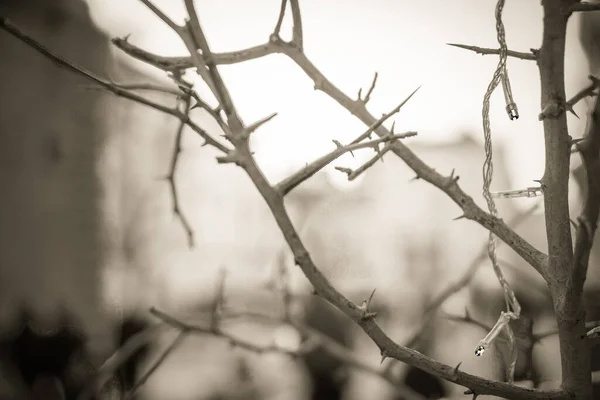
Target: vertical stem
[565,281]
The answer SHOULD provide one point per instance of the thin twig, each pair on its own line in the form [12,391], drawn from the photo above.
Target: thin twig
[553,110]
[277,29]
[141,86]
[384,117]
[107,370]
[13,30]
[369,92]
[297,35]
[159,361]
[176,28]
[352,174]
[291,182]
[214,77]
[324,288]
[486,51]
[171,176]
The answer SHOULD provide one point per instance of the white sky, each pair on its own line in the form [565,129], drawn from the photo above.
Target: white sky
[403,40]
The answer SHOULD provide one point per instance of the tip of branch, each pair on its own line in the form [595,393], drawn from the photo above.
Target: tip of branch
[461,46]
[260,122]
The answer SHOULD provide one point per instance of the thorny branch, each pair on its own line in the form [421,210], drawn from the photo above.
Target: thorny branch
[292,181]
[450,186]
[243,157]
[171,176]
[322,286]
[161,359]
[550,57]
[555,109]
[13,30]
[532,56]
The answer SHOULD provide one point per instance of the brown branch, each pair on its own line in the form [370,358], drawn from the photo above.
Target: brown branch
[214,77]
[171,176]
[161,62]
[292,181]
[585,92]
[176,28]
[584,7]
[464,280]
[185,62]
[449,186]
[320,341]
[277,29]
[534,257]
[353,174]
[485,51]
[141,86]
[555,109]
[159,361]
[297,35]
[369,92]
[198,329]
[384,118]
[388,347]
[589,149]
[107,370]
[275,201]
[565,277]
[17,33]
[188,39]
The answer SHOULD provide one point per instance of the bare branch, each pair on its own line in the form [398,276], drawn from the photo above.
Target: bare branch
[277,29]
[389,348]
[585,92]
[554,109]
[353,174]
[139,86]
[485,51]
[464,280]
[384,118]
[185,62]
[274,199]
[291,182]
[534,257]
[219,88]
[176,28]
[171,176]
[197,329]
[118,359]
[565,276]
[297,35]
[251,128]
[159,361]
[584,7]
[370,91]
[160,62]
[13,30]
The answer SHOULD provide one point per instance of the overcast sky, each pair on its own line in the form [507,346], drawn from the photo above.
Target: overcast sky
[404,41]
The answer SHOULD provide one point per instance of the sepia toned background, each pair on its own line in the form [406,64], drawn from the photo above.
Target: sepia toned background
[86,214]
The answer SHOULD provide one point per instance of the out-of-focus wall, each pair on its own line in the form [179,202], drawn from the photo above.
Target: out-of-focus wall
[51,230]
